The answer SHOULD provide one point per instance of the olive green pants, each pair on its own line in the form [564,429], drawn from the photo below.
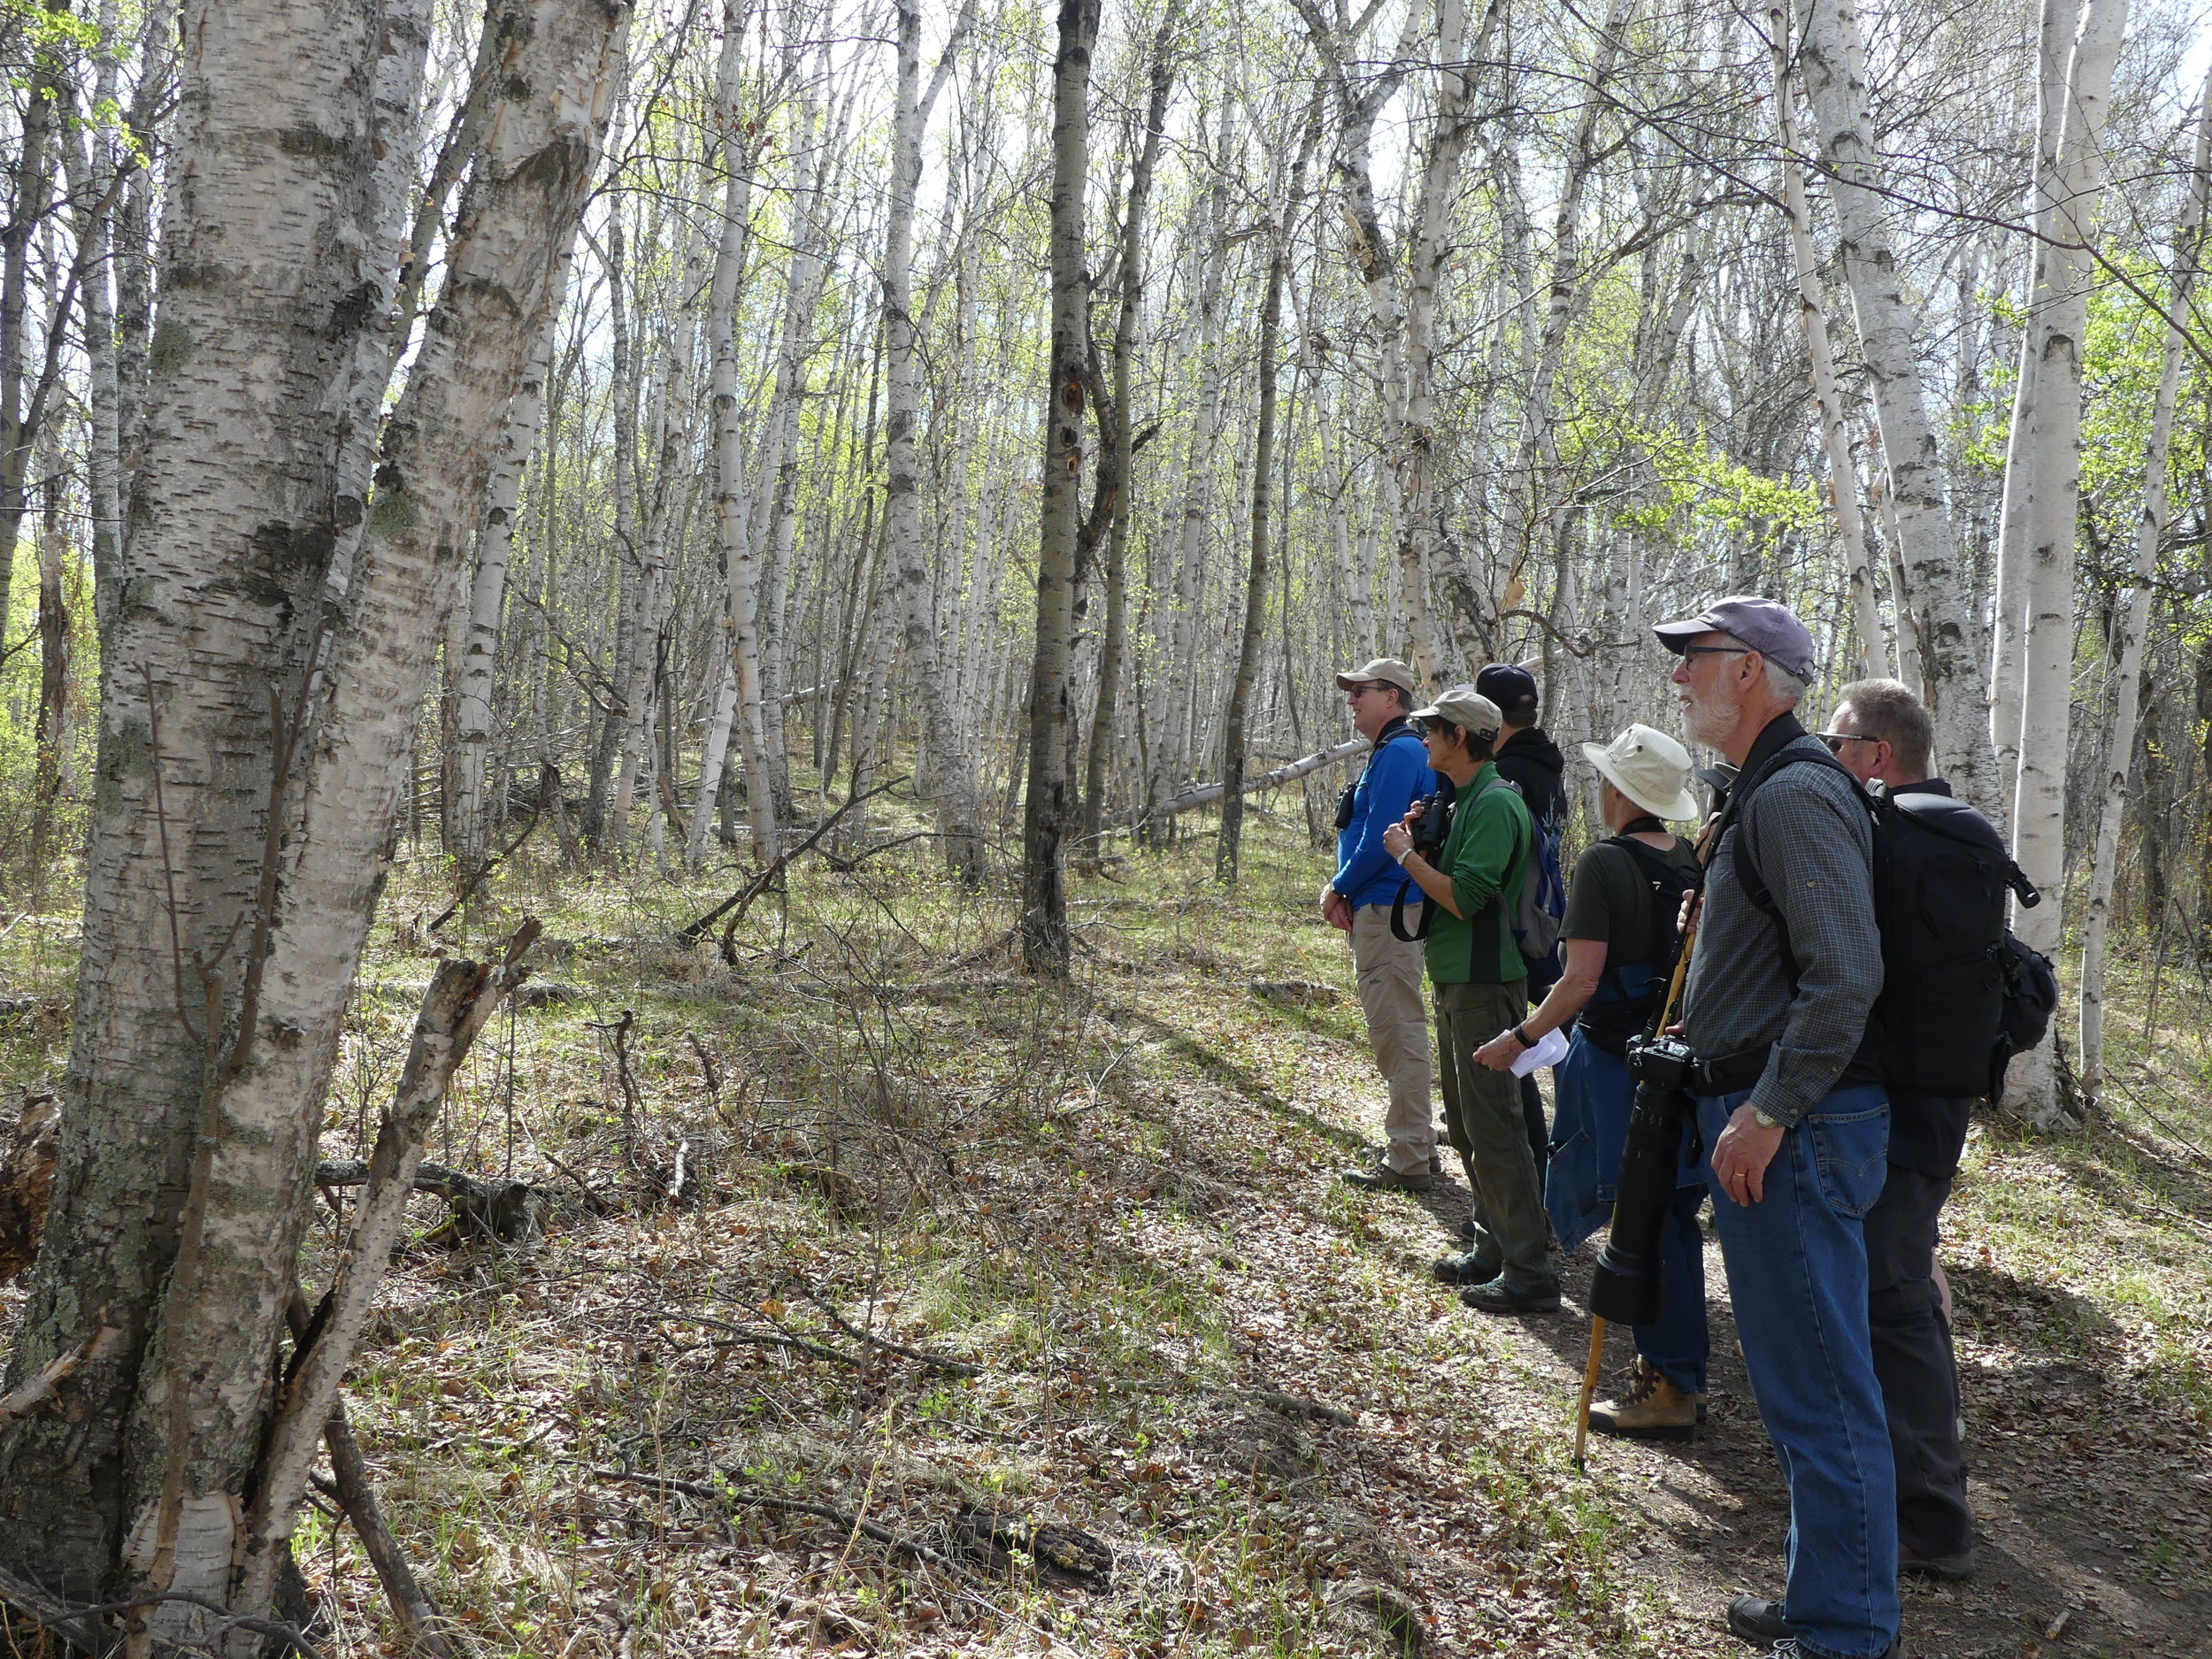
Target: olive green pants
[1482,1112]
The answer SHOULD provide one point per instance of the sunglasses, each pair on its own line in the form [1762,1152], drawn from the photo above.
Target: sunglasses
[1837,739]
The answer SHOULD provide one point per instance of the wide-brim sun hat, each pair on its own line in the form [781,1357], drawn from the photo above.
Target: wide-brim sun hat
[1651,769]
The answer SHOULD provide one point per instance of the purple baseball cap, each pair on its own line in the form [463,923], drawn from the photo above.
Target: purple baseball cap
[1765,625]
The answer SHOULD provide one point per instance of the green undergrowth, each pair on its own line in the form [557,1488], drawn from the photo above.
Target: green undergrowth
[999,1274]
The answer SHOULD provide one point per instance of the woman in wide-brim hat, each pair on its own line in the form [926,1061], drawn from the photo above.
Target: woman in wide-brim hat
[1620,937]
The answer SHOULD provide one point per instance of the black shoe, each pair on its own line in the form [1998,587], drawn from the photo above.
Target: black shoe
[1436,1161]
[1497,1296]
[1466,1231]
[1954,1569]
[1757,1620]
[1464,1270]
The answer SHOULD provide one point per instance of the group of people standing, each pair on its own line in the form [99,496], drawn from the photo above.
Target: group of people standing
[1827,1172]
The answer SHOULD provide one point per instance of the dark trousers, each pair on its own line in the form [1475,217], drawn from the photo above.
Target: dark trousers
[1532,1120]
[1913,1362]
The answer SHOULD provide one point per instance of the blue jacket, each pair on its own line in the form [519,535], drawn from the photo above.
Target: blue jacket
[1397,774]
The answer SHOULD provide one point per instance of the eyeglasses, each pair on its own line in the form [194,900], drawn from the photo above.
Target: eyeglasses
[1715,650]
[1355,693]
[1837,739]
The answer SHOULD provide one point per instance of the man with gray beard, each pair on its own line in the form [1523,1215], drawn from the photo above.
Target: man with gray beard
[1789,1106]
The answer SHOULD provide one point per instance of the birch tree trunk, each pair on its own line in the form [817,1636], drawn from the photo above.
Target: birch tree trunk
[952,778]
[487,592]
[253,753]
[1047,809]
[1832,61]
[1256,576]
[2025,445]
[2149,531]
[1128,320]
[740,560]
[1835,442]
[2039,814]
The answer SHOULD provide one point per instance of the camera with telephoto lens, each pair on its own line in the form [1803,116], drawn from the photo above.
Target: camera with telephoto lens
[1661,1062]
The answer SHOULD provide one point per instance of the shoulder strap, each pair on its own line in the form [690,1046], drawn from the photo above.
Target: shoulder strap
[1739,799]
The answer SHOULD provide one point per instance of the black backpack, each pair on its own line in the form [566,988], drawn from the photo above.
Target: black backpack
[1960,995]
[1611,1022]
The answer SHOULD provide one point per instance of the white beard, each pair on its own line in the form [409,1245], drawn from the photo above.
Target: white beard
[1711,723]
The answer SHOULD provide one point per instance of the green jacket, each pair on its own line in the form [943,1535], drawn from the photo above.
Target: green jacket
[1486,855]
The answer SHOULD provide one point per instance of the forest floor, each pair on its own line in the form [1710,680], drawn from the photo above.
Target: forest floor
[993,1319]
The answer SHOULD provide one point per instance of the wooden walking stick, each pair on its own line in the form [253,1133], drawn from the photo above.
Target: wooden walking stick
[1627,1274]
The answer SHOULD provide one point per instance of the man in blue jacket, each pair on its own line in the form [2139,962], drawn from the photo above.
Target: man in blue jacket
[1358,900]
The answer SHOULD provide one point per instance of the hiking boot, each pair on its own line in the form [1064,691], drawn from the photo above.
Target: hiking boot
[1955,1569]
[1436,1161]
[1787,1648]
[1652,1410]
[1757,1620]
[1466,1231]
[1465,1270]
[1379,1176]
[1497,1296]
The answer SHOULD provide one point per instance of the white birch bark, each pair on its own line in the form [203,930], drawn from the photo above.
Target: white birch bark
[740,561]
[2039,815]
[952,779]
[1835,443]
[488,591]
[2149,531]
[1833,66]
[2026,445]
[234,489]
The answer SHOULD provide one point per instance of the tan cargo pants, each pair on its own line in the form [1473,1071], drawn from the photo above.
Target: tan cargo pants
[1392,975]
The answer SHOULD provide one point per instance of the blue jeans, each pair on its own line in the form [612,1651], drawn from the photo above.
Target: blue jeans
[1797,1274]
[1595,1094]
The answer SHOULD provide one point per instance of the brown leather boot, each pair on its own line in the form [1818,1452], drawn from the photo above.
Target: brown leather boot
[1652,1410]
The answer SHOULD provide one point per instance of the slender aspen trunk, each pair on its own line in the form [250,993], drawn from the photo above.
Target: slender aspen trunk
[487,592]
[952,776]
[2026,454]
[2150,531]
[2039,814]
[1233,721]
[740,559]
[1178,629]
[1128,320]
[1833,62]
[1835,443]
[1046,810]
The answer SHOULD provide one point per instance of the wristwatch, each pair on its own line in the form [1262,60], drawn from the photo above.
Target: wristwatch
[1763,1121]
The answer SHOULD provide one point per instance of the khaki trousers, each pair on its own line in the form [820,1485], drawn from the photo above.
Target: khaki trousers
[1391,971]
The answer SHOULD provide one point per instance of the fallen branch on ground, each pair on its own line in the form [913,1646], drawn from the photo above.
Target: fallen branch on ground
[692,932]
[352,1489]
[936,1362]
[854,1526]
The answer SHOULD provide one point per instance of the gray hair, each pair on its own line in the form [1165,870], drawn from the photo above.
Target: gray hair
[1782,685]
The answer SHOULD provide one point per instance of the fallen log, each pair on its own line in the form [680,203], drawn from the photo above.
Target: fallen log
[1206,794]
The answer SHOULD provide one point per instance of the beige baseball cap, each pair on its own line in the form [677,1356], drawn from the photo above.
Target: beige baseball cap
[1389,669]
[1650,768]
[1467,709]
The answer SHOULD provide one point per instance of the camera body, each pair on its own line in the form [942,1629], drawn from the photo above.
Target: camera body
[1661,1062]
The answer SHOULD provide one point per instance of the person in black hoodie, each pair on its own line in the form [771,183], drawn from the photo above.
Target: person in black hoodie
[1529,759]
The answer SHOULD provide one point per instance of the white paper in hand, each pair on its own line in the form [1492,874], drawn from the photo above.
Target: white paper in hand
[1550,1050]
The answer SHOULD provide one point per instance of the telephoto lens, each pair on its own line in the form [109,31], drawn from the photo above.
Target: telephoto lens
[1625,1287]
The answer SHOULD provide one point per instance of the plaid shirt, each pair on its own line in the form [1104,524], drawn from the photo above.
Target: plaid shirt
[1814,845]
